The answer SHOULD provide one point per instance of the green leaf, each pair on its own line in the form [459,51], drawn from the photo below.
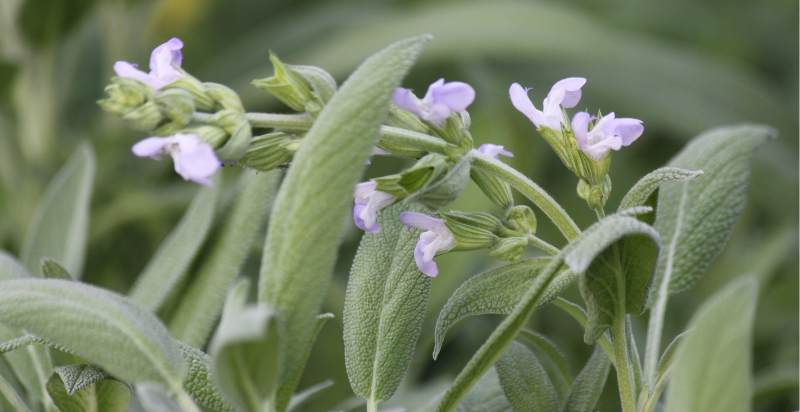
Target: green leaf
[487,396]
[11,268]
[384,307]
[199,380]
[53,270]
[306,394]
[200,306]
[100,326]
[712,366]
[304,236]
[554,359]
[170,264]
[495,291]
[525,381]
[695,218]
[60,222]
[245,351]
[154,398]
[616,257]
[82,388]
[588,385]
[644,192]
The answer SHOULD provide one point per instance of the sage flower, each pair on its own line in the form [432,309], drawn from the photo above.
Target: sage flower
[494,150]
[194,159]
[435,238]
[607,133]
[367,203]
[565,93]
[441,100]
[165,66]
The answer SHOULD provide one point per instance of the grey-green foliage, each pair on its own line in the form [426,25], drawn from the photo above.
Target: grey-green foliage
[199,379]
[53,270]
[644,191]
[200,305]
[384,307]
[486,396]
[170,264]
[306,226]
[588,385]
[525,381]
[154,398]
[695,218]
[245,351]
[616,257]
[100,326]
[299,398]
[495,291]
[713,364]
[11,268]
[553,359]
[61,220]
[81,388]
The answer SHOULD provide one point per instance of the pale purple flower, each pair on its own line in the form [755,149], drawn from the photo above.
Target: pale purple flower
[194,159]
[441,100]
[566,93]
[165,65]
[608,133]
[494,150]
[435,238]
[368,202]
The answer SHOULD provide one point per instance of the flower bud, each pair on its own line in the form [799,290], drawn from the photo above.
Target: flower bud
[406,120]
[595,195]
[125,95]
[322,83]
[509,248]
[145,117]
[521,219]
[474,230]
[565,145]
[456,130]
[447,188]
[493,187]
[269,151]
[212,135]
[413,179]
[286,85]
[224,97]
[177,106]
[202,100]
[235,124]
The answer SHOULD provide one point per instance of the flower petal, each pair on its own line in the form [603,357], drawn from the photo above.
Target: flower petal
[580,126]
[150,147]
[420,221]
[521,101]
[194,159]
[494,150]
[571,87]
[363,190]
[406,100]
[426,266]
[125,69]
[428,98]
[457,96]
[167,55]
[628,129]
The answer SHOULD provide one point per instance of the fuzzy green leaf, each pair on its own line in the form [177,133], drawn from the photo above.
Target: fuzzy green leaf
[82,388]
[695,218]
[525,381]
[616,257]
[495,291]
[60,222]
[11,268]
[100,326]
[170,264]
[645,191]
[306,227]
[199,380]
[713,364]
[588,385]
[384,308]
[53,270]
[486,396]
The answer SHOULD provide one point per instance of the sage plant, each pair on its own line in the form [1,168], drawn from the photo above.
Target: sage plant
[212,341]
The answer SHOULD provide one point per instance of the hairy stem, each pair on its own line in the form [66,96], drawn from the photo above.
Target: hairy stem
[623,362]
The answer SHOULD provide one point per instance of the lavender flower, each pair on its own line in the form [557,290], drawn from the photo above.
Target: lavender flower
[194,159]
[165,66]
[441,100]
[367,203]
[608,133]
[565,93]
[435,238]
[494,150]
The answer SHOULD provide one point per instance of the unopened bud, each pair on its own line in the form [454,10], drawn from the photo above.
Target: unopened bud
[124,95]
[413,179]
[456,130]
[235,124]
[202,100]
[521,219]
[509,248]
[472,230]
[145,117]
[286,85]
[266,152]
[447,188]
[323,85]
[178,107]
[595,195]
[224,97]
[497,190]
[212,135]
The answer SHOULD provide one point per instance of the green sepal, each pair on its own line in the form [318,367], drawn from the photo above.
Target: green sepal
[509,248]
[413,179]
[521,219]
[494,188]
[472,230]
[286,85]
[269,151]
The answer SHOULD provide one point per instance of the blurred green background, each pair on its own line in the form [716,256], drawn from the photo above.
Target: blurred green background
[682,66]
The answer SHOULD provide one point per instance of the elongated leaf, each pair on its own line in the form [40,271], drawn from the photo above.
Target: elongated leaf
[59,225]
[200,306]
[170,264]
[487,396]
[712,366]
[199,380]
[306,394]
[301,244]
[588,385]
[97,325]
[644,192]
[77,377]
[695,218]
[616,257]
[98,394]
[553,359]
[495,291]
[525,381]
[384,308]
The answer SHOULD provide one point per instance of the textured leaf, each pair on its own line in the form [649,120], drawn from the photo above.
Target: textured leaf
[588,385]
[644,192]
[495,291]
[306,394]
[60,222]
[695,218]
[525,381]
[154,398]
[97,325]
[53,270]
[554,359]
[616,257]
[306,228]
[199,380]
[712,366]
[486,396]
[77,389]
[170,264]
[200,306]
[245,351]
[384,308]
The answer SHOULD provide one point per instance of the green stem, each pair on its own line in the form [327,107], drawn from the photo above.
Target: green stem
[299,122]
[533,192]
[372,405]
[543,245]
